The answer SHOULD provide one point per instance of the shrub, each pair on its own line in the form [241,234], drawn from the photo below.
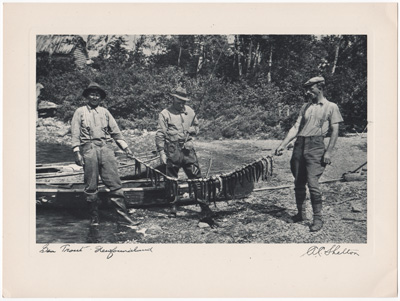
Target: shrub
[228,132]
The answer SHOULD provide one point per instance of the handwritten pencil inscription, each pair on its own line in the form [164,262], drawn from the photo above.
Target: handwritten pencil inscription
[334,250]
[109,252]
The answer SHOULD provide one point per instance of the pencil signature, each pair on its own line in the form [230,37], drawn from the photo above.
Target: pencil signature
[333,250]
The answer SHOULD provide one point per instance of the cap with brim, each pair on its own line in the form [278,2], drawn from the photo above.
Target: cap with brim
[180,93]
[314,80]
[94,87]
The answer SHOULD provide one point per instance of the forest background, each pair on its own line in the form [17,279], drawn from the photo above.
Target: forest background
[240,86]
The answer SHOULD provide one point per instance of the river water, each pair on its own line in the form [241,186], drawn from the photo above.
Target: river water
[62,225]
[53,153]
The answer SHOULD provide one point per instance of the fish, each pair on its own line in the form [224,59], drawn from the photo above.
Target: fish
[214,190]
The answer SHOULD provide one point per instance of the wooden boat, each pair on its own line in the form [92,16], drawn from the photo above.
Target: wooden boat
[147,188]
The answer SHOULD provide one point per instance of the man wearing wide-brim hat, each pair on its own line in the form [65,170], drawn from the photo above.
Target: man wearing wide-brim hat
[177,127]
[310,156]
[93,130]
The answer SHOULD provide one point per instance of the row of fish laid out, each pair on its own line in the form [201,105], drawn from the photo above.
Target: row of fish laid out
[224,184]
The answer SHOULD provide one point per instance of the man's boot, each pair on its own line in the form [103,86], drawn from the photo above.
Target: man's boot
[94,213]
[206,215]
[120,207]
[93,209]
[94,235]
[317,223]
[301,210]
[174,208]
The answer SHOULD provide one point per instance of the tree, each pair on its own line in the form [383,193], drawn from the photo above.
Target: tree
[235,76]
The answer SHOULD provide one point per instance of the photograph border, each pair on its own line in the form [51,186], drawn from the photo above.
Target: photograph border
[237,270]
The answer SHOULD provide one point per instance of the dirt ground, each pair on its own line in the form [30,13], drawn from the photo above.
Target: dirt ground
[264,216]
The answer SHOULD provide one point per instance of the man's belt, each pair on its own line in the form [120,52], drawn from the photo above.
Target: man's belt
[181,143]
[98,142]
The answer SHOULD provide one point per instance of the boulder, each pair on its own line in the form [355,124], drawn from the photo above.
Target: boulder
[155,229]
[63,132]
[356,208]
[203,225]
[49,122]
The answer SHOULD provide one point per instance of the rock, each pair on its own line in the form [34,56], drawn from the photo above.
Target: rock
[63,132]
[351,177]
[203,225]
[49,122]
[356,208]
[154,230]
[143,231]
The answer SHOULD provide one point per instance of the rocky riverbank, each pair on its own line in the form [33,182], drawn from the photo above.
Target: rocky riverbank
[51,130]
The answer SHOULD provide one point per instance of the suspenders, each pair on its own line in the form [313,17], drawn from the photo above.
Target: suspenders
[182,121]
[86,117]
[87,121]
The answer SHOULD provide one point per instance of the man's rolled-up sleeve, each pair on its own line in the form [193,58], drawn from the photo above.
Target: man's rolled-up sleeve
[161,132]
[336,117]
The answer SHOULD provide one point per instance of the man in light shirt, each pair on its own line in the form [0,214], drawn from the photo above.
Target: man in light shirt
[93,131]
[177,126]
[310,156]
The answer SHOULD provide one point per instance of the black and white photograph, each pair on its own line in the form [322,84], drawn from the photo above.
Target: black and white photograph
[200,150]
[232,139]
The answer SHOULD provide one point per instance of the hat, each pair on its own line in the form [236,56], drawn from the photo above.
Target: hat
[314,80]
[94,87]
[180,93]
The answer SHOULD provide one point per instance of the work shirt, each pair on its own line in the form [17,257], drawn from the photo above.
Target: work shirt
[173,126]
[315,118]
[96,124]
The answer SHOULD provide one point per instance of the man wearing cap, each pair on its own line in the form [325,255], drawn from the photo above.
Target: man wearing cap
[93,131]
[310,156]
[177,125]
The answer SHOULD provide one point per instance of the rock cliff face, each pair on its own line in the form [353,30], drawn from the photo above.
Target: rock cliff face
[52,131]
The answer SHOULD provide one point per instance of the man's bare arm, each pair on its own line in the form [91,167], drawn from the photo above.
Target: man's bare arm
[332,142]
[289,137]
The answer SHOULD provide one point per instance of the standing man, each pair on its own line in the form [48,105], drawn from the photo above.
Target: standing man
[93,130]
[310,156]
[177,125]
